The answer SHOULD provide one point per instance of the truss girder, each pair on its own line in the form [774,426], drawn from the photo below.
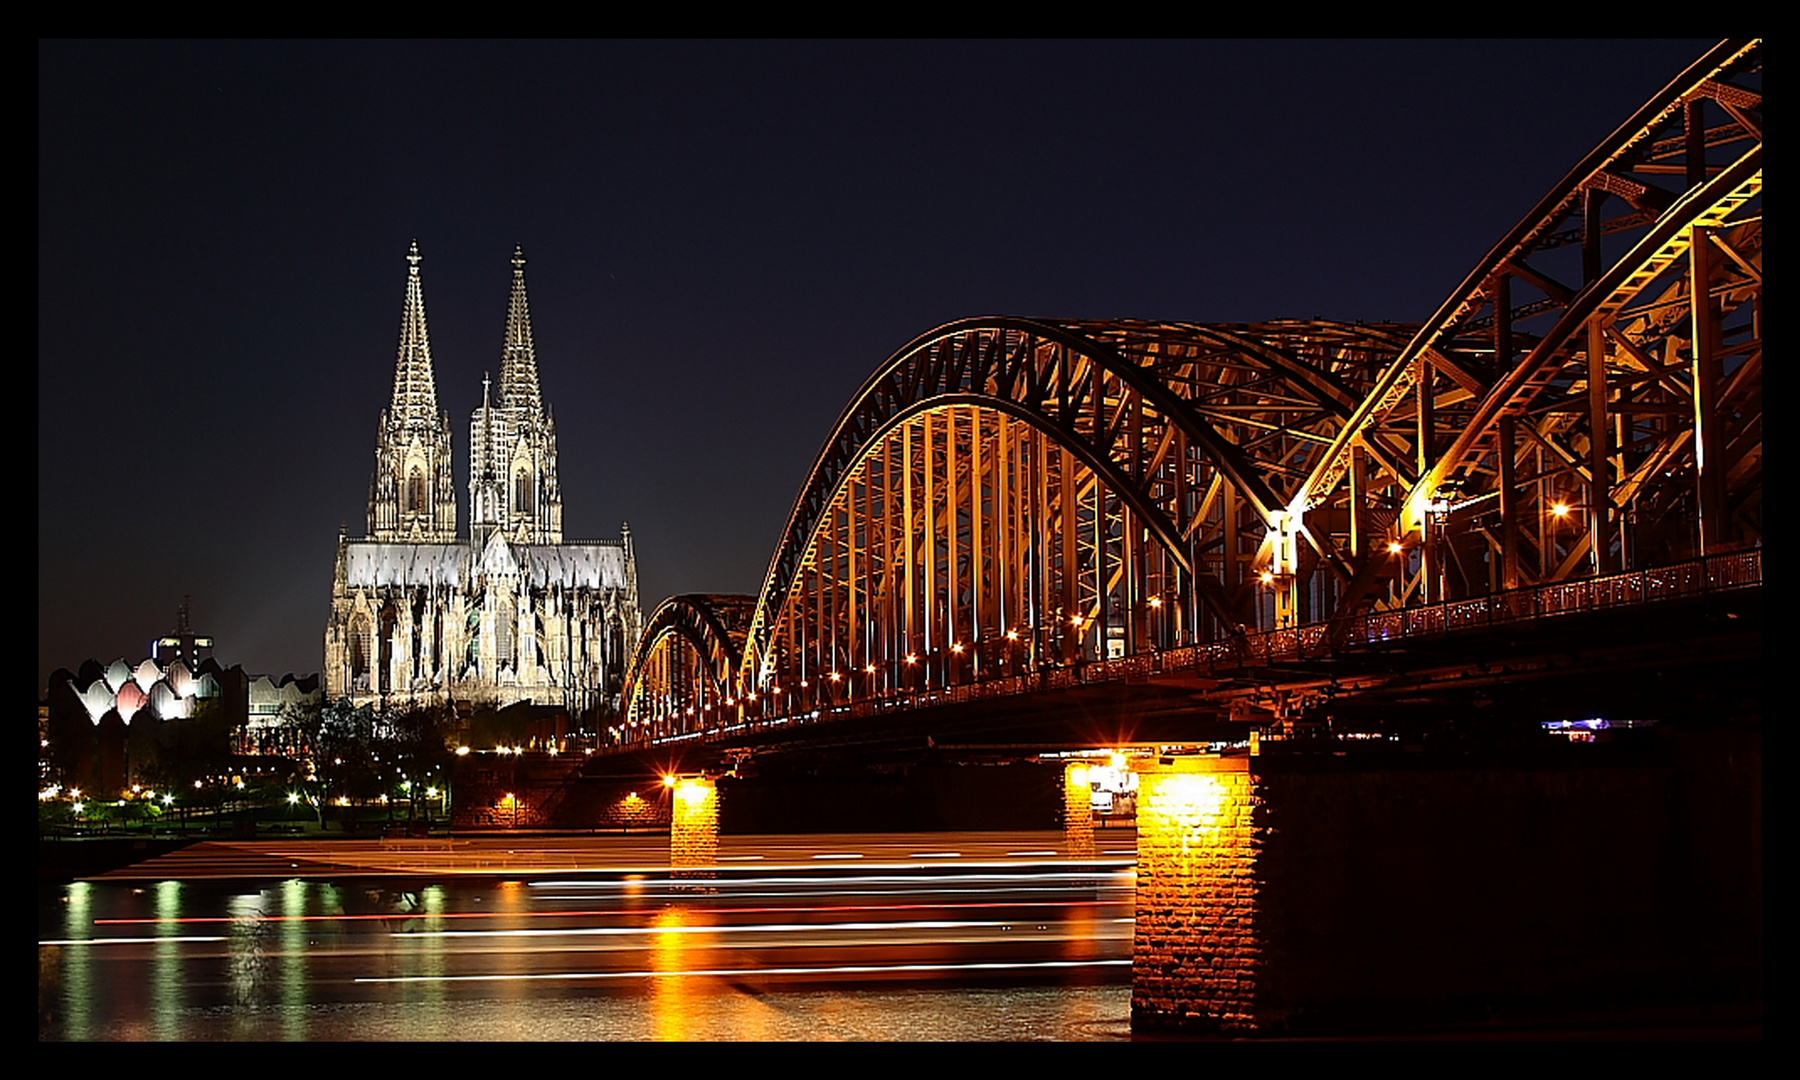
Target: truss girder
[1551,419]
[1008,495]
[686,661]
[1164,443]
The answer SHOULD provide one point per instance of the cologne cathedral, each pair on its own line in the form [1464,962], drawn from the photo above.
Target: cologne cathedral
[510,613]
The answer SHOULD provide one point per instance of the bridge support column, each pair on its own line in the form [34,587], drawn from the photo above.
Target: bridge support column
[1078,810]
[1196,955]
[694,823]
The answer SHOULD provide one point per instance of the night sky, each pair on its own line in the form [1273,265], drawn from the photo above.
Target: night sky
[724,240]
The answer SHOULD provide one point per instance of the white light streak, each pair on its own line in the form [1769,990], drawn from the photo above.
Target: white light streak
[846,969]
[125,940]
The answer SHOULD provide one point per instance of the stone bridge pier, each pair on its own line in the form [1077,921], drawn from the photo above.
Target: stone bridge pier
[1315,893]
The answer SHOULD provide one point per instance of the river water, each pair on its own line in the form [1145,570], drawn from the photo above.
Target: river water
[974,951]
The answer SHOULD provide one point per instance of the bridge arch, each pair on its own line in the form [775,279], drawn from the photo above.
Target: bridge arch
[1033,476]
[1007,495]
[1569,410]
[685,666]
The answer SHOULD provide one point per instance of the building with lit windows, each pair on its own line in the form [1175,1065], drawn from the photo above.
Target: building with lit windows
[93,714]
[510,612]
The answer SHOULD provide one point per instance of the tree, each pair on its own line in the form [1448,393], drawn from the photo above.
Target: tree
[343,756]
[419,743]
[180,756]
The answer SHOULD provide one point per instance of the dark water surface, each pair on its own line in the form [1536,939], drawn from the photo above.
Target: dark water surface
[965,952]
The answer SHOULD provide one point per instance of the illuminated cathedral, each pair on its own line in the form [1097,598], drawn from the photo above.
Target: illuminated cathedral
[509,613]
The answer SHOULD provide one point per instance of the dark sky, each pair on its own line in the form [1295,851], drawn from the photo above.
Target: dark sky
[725,239]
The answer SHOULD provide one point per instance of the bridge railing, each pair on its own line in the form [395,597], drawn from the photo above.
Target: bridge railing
[1698,577]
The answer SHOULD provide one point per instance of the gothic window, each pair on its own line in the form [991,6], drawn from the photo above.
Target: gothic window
[359,652]
[386,644]
[415,491]
[522,501]
[503,636]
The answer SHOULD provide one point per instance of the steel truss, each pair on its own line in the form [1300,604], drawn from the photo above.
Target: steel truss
[685,667]
[1009,496]
[1570,410]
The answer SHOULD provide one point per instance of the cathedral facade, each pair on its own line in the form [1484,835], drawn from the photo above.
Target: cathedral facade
[508,613]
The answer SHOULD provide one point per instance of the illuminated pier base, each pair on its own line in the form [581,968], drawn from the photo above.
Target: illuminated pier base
[694,830]
[1078,810]
[1195,954]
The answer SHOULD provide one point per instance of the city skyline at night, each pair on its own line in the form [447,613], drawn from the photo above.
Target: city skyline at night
[726,239]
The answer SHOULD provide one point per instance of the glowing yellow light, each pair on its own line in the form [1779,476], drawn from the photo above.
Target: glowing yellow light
[1560,509]
[912,658]
[870,670]
[1266,577]
[1395,547]
[1012,635]
[956,648]
[1118,760]
[1074,620]
[462,751]
[1156,601]
[668,780]
[835,677]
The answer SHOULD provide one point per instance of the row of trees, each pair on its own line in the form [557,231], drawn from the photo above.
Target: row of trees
[336,750]
[360,754]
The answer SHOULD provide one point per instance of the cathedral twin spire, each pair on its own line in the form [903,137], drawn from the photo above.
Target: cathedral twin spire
[512,475]
[415,385]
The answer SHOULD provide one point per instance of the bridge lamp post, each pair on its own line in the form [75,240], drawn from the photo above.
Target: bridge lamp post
[831,691]
[1156,622]
[912,662]
[954,671]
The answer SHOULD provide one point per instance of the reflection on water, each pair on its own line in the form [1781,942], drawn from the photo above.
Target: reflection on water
[971,955]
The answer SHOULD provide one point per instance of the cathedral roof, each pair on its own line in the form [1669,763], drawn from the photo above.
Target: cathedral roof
[597,564]
[591,564]
[379,563]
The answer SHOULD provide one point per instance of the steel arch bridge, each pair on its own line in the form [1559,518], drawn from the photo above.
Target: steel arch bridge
[1010,497]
